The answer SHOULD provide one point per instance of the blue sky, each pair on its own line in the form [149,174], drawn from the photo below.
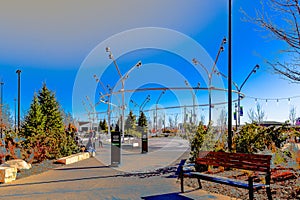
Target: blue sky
[63,44]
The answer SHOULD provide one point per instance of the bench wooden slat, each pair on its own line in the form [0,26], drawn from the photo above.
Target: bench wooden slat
[226,181]
[253,162]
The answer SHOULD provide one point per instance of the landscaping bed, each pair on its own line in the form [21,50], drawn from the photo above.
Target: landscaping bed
[284,185]
[38,168]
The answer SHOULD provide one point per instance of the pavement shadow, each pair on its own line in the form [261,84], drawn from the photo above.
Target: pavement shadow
[60,181]
[139,175]
[173,196]
[77,168]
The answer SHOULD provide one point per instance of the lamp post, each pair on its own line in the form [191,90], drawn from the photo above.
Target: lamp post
[209,74]
[1,104]
[193,97]
[134,103]
[229,102]
[15,100]
[239,89]
[163,92]
[19,96]
[122,79]
[255,68]
[144,103]
[108,106]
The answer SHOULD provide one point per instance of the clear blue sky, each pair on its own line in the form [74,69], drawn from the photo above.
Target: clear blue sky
[63,44]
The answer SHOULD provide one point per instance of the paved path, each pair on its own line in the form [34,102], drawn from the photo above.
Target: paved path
[91,179]
[162,152]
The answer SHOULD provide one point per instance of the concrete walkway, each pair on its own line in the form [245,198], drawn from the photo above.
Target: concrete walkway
[162,152]
[91,179]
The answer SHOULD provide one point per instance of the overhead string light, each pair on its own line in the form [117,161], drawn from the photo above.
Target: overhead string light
[289,99]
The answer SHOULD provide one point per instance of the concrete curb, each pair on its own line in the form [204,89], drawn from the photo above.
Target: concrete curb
[74,158]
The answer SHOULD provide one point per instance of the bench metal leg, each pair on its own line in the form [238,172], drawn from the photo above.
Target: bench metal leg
[269,193]
[199,182]
[268,188]
[181,179]
[251,196]
[250,183]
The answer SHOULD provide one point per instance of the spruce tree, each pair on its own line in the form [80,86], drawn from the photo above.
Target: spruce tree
[44,129]
[103,126]
[100,125]
[142,122]
[35,143]
[51,110]
[34,123]
[130,123]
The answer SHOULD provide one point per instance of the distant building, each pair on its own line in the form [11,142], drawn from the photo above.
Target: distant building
[85,126]
[271,123]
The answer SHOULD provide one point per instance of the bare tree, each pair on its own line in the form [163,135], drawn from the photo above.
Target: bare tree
[6,117]
[176,120]
[202,118]
[222,121]
[258,115]
[281,19]
[171,122]
[293,115]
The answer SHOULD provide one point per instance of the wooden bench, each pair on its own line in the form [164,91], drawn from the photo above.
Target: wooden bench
[252,162]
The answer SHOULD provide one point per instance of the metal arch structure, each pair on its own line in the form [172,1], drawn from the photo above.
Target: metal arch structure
[173,88]
[240,94]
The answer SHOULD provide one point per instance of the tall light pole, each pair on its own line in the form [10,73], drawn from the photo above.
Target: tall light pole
[193,97]
[1,104]
[255,68]
[163,92]
[144,103]
[108,106]
[122,79]
[19,96]
[135,105]
[229,138]
[15,100]
[210,74]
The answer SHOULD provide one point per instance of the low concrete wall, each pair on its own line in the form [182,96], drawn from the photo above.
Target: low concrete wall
[8,174]
[74,158]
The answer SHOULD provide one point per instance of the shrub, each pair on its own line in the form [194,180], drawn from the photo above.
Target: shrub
[253,138]
[203,139]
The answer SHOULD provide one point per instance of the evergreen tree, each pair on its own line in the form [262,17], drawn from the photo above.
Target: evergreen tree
[33,132]
[130,123]
[51,110]
[44,129]
[142,122]
[34,123]
[103,126]
[100,125]
[117,128]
